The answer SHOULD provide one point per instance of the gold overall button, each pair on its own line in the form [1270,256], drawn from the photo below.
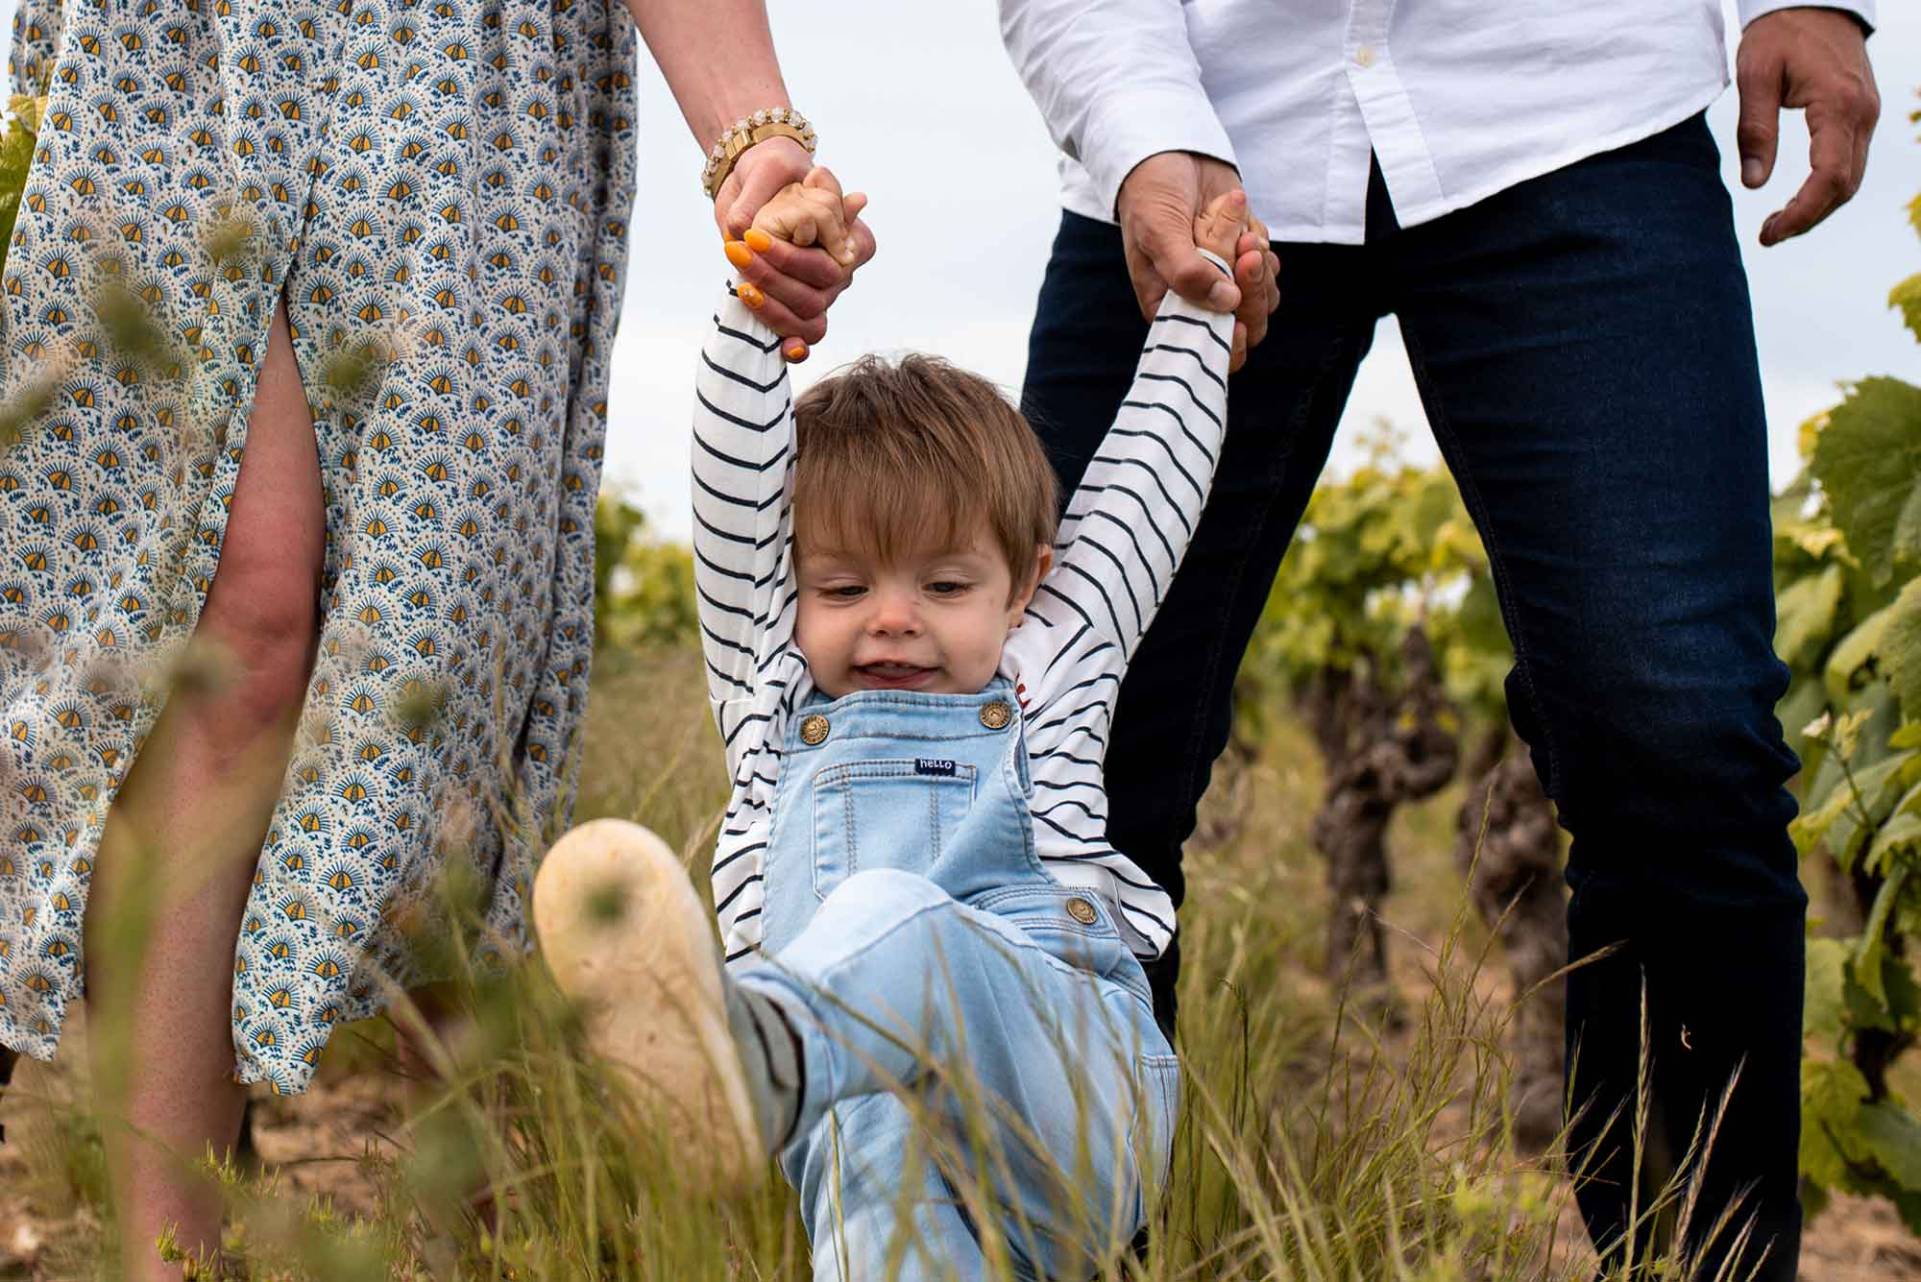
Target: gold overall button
[1082,911]
[996,715]
[813,729]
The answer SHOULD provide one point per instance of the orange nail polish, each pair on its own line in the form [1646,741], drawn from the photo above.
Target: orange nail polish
[750,295]
[738,254]
[795,351]
[758,241]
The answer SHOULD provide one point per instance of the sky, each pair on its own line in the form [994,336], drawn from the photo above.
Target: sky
[917,105]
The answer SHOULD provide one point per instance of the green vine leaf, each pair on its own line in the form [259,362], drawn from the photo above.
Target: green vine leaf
[1805,611]
[1893,1136]
[1826,1003]
[1851,664]
[1907,298]
[1900,835]
[1842,820]
[1901,649]
[1832,1093]
[1868,460]
[1873,948]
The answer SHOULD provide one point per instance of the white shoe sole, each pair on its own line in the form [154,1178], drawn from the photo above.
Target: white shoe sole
[627,937]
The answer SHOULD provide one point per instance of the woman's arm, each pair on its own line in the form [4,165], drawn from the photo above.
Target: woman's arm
[718,58]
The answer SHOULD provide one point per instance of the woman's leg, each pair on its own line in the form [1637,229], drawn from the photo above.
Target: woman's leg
[178,852]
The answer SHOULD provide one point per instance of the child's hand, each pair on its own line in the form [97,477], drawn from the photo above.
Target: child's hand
[807,213]
[813,212]
[1227,228]
[1218,228]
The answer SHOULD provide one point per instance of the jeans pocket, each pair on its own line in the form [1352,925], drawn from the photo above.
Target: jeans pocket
[886,814]
[1160,1092]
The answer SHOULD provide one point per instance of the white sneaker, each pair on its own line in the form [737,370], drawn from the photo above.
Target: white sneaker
[626,936]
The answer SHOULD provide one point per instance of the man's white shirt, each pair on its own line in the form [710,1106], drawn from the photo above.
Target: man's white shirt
[1459,99]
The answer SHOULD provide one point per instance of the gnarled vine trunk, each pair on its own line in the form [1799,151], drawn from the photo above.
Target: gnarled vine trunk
[1510,850]
[1382,750]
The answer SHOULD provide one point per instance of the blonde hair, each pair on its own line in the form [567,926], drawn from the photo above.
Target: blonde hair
[916,454]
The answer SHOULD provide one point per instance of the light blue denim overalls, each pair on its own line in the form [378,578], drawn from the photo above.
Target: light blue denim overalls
[908,914]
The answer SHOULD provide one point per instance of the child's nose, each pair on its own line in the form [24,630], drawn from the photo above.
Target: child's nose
[895,613]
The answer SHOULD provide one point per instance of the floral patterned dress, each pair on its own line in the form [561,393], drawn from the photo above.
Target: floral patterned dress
[441,189]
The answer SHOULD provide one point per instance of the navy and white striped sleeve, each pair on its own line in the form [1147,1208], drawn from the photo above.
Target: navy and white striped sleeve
[1129,523]
[742,458]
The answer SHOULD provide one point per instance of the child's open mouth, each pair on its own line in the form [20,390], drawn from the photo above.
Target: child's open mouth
[894,676]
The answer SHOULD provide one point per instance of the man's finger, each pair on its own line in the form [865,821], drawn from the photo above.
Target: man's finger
[1759,80]
[1237,354]
[1250,272]
[1831,153]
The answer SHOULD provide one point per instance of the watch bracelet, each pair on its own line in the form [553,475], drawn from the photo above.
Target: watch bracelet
[774,122]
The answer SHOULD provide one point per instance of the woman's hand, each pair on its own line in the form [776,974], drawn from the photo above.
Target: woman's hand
[797,282]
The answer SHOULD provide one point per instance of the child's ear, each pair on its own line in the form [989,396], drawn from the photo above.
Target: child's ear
[1024,592]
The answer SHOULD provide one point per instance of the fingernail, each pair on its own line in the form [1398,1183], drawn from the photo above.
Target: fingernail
[750,294]
[738,254]
[1222,296]
[758,241]
[795,351]
[1751,172]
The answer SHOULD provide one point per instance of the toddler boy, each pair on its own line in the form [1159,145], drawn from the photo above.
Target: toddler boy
[925,932]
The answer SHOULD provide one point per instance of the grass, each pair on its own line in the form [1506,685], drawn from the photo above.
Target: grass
[1318,1141]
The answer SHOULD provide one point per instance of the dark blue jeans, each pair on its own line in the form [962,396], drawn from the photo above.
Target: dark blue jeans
[1584,347]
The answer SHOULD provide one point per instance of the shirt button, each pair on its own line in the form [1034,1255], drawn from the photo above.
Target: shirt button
[813,729]
[1082,911]
[996,715]
[1364,56]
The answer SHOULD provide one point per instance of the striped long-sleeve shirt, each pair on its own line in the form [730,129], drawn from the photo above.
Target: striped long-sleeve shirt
[1120,540]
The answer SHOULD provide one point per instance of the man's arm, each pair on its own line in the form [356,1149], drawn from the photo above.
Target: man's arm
[1119,87]
[1116,81]
[1815,58]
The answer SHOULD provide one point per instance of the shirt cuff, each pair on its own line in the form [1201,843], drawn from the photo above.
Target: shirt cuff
[1128,128]
[1863,10]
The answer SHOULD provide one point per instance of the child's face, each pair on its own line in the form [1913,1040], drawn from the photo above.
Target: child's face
[934,619]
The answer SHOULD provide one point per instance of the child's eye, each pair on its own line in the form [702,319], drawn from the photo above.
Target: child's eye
[947,587]
[846,591]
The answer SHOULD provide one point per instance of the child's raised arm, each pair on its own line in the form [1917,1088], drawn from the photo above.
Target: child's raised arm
[742,459]
[1130,521]
[743,450]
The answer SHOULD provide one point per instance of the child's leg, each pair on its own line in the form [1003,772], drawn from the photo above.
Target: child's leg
[1059,1075]
[875,1203]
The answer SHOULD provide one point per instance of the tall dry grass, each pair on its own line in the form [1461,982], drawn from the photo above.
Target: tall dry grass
[1320,1140]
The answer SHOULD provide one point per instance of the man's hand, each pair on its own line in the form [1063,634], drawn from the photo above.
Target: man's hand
[800,283]
[1816,59]
[1159,201]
